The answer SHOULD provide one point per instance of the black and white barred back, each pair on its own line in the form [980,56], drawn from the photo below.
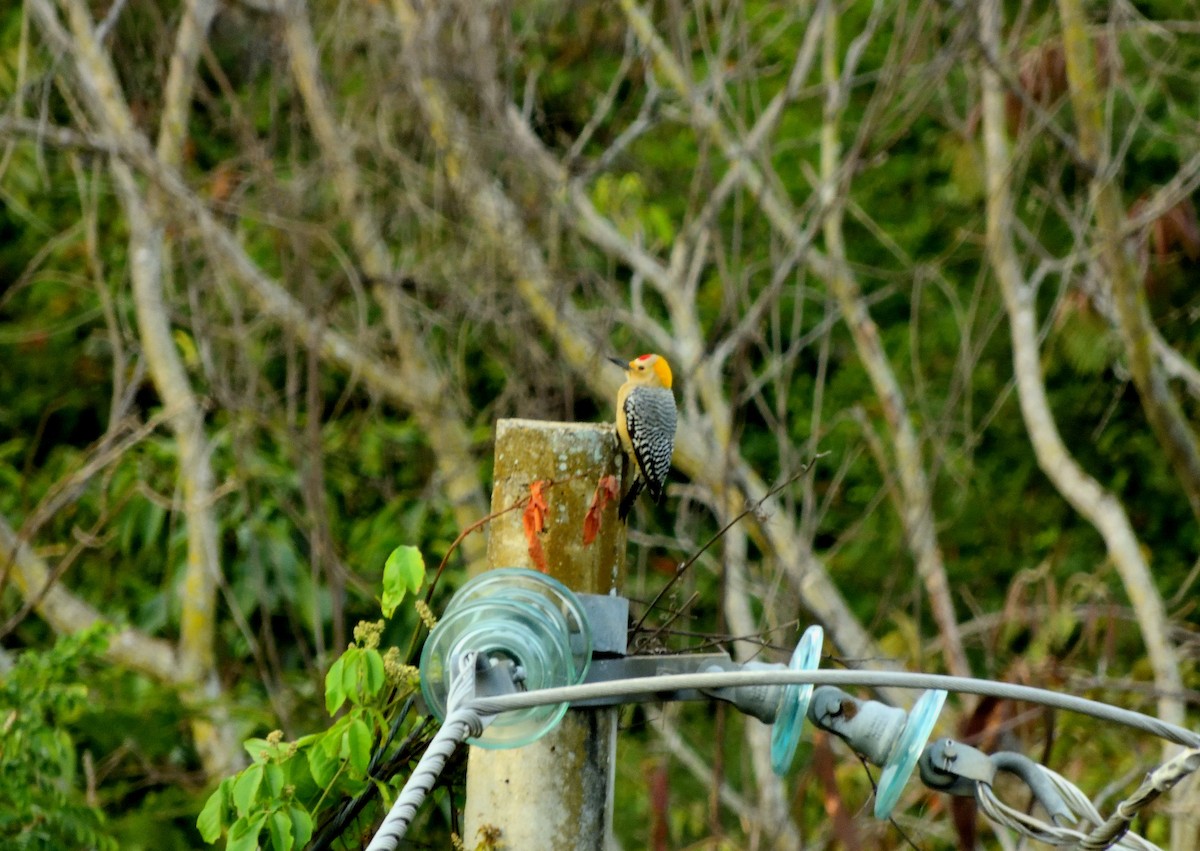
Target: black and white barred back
[650,419]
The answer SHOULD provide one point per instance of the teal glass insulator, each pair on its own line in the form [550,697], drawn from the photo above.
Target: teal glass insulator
[907,750]
[539,590]
[793,703]
[531,623]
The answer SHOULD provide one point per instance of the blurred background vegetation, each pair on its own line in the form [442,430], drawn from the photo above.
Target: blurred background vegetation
[502,194]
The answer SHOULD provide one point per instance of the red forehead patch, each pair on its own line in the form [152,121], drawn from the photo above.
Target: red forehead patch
[645,357]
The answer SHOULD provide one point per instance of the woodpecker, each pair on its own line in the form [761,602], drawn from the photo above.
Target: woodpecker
[646,425]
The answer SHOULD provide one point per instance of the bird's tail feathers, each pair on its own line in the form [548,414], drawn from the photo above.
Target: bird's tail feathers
[630,496]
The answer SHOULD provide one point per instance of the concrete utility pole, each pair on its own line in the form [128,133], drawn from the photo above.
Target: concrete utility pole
[557,792]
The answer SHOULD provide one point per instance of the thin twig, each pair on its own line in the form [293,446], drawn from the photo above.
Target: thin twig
[749,509]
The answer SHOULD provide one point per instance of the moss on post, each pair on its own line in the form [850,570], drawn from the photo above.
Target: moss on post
[558,791]
[571,458]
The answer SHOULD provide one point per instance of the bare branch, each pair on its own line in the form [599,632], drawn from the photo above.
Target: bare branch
[67,613]
[1082,491]
[445,426]
[1136,328]
[917,503]
[181,78]
[197,656]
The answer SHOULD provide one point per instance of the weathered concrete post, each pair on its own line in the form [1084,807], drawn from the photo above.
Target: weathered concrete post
[557,792]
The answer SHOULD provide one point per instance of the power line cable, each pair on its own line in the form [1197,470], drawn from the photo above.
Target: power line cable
[467,718]
[869,679]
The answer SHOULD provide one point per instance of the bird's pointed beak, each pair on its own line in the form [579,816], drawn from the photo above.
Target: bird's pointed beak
[621,363]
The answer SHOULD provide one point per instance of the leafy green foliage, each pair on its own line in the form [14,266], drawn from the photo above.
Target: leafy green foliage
[403,574]
[290,786]
[42,699]
[261,797]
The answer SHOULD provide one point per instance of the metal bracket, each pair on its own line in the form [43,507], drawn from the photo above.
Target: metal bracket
[952,767]
[608,621]
[497,676]
[608,617]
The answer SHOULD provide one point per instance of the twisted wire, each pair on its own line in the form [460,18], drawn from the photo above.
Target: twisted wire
[463,720]
[1055,834]
[1157,782]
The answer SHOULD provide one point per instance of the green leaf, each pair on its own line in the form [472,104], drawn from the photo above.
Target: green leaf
[373,673]
[259,749]
[359,739]
[243,836]
[211,820]
[245,788]
[323,766]
[403,574]
[274,778]
[335,692]
[331,739]
[296,771]
[302,825]
[280,828]
[386,793]
[351,671]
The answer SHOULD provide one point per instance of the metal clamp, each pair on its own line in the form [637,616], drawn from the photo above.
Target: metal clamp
[956,769]
[761,701]
[884,735]
[867,726]
[648,668]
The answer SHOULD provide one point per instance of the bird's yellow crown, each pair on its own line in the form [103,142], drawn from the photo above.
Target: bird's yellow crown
[652,363]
